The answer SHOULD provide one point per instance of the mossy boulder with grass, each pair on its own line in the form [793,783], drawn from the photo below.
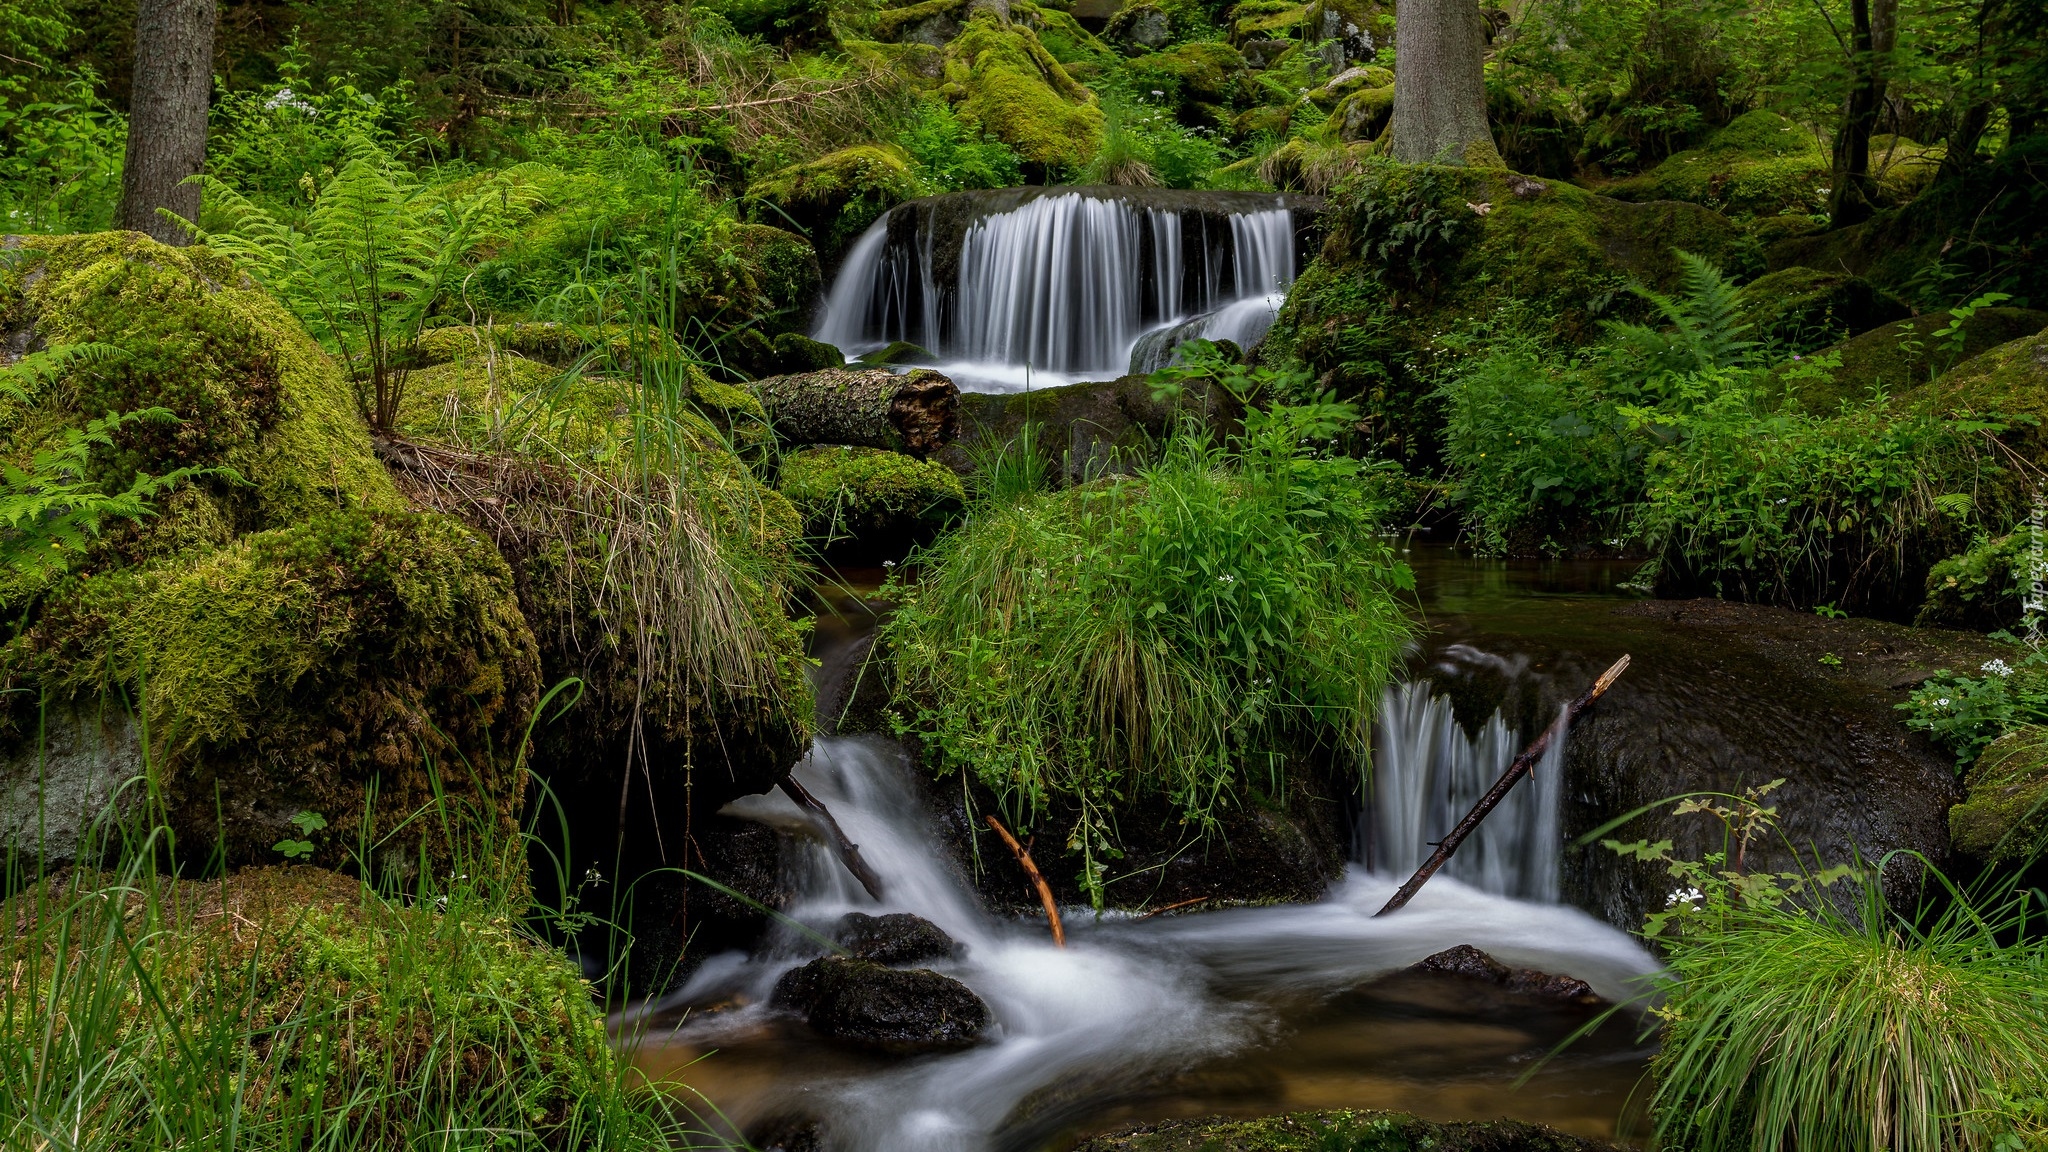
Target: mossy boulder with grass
[1414,252]
[1340,1131]
[835,197]
[869,494]
[2004,816]
[1803,309]
[1902,356]
[932,22]
[303,1000]
[1761,164]
[781,276]
[1904,168]
[1006,83]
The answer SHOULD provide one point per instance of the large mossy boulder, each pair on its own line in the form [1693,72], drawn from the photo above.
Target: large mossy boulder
[1803,309]
[282,633]
[869,494]
[307,996]
[2004,816]
[1004,81]
[1761,164]
[1902,356]
[835,197]
[1414,253]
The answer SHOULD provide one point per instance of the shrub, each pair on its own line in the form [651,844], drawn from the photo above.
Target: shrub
[1187,632]
[1790,1021]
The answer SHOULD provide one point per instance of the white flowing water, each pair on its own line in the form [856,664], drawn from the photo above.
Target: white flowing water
[1060,288]
[1129,1003]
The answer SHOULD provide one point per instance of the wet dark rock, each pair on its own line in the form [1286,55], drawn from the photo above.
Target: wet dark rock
[1316,1131]
[1086,430]
[1469,963]
[895,1009]
[897,938]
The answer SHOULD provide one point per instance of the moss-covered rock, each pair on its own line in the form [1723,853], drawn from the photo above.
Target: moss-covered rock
[1266,19]
[835,197]
[1761,164]
[1341,1131]
[251,391]
[1802,309]
[362,665]
[1364,114]
[2005,814]
[1906,354]
[453,1009]
[1903,167]
[1009,86]
[869,492]
[932,22]
[1414,252]
[1203,71]
[1981,587]
[781,275]
[1140,26]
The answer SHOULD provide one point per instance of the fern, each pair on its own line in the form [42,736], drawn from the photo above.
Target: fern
[379,254]
[1704,324]
[50,510]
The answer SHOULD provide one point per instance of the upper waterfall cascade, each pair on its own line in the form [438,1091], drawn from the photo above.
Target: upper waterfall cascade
[1047,288]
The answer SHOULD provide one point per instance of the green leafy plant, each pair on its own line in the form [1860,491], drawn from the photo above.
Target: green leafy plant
[1966,713]
[1953,334]
[307,823]
[1704,330]
[379,254]
[1800,1010]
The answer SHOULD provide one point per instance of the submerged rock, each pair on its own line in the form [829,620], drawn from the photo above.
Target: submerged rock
[1469,963]
[1320,1131]
[895,938]
[894,1009]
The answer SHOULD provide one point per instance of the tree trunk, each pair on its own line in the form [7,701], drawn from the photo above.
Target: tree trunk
[1962,143]
[167,116]
[869,408]
[1439,88]
[1874,32]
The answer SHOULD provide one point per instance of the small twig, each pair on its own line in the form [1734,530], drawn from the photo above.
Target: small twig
[849,852]
[1524,765]
[1171,907]
[1052,909]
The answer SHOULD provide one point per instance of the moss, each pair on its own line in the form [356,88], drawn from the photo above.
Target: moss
[835,197]
[1802,309]
[252,391]
[1981,587]
[311,667]
[1013,89]
[928,21]
[1203,70]
[1264,19]
[781,274]
[1903,168]
[1761,164]
[449,1007]
[1340,1131]
[1906,354]
[2004,815]
[1364,114]
[438,399]
[840,490]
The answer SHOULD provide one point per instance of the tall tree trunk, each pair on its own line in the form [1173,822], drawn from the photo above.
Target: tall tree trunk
[1439,88]
[167,115]
[1874,33]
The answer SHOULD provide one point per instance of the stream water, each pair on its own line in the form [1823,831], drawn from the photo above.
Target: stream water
[1247,1010]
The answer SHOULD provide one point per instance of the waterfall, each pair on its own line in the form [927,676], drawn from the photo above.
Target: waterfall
[1427,773]
[1064,284]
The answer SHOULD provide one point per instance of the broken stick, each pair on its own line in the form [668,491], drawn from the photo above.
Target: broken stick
[849,852]
[1524,765]
[1052,910]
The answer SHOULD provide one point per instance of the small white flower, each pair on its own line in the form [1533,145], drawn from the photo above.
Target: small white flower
[283,98]
[1226,579]
[1941,703]
[1157,92]
[1998,667]
[888,563]
[1781,499]
[1684,896]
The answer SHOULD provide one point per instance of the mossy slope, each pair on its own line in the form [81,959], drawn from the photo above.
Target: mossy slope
[866,492]
[1761,164]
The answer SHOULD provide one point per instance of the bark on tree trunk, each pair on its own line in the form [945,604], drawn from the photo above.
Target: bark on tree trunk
[1874,33]
[167,115]
[1439,88]
[870,408]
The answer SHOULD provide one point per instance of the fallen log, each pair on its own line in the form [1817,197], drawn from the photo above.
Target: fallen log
[1052,908]
[849,852]
[1524,765]
[917,413]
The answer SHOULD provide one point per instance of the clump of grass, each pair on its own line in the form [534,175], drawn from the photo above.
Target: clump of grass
[1190,631]
[1799,1018]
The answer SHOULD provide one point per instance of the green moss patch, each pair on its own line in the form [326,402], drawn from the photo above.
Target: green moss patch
[2004,816]
[835,197]
[1009,86]
[350,656]
[840,490]
[1803,309]
[1761,164]
[1907,354]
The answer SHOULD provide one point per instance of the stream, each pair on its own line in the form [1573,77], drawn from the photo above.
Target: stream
[1246,1010]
